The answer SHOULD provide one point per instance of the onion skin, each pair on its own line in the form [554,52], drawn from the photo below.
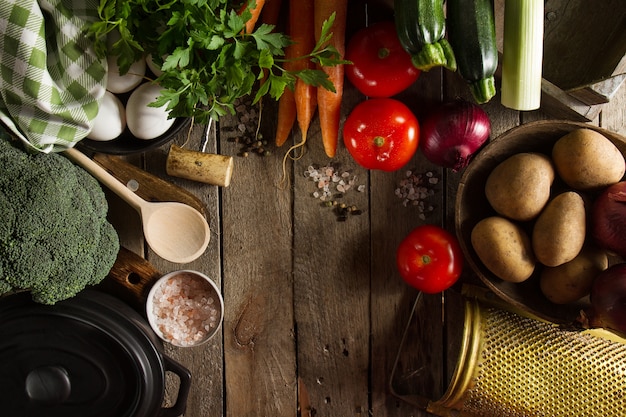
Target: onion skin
[453,133]
[608,301]
[608,219]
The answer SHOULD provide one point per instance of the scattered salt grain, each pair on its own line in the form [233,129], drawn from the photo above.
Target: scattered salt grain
[329,179]
[185,310]
[330,183]
[415,189]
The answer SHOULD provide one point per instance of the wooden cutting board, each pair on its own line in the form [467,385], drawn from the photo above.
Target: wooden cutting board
[146,185]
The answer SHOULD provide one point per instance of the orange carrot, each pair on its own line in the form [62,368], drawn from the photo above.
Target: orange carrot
[287,102]
[329,103]
[286,116]
[302,32]
[256,12]
[306,103]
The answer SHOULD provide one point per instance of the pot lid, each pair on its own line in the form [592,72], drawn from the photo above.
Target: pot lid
[80,357]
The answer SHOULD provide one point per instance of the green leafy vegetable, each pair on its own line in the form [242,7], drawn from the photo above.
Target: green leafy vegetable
[55,239]
[207,59]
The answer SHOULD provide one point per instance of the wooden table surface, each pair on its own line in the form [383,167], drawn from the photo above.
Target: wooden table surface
[314,307]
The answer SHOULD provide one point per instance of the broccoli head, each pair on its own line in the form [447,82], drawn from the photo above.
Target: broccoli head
[55,238]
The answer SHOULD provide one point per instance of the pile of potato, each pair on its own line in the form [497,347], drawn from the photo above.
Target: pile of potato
[542,203]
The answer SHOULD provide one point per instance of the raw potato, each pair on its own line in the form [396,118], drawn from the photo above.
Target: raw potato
[519,187]
[504,248]
[587,160]
[559,232]
[571,281]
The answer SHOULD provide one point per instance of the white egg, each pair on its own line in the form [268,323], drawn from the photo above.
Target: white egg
[146,122]
[110,121]
[117,83]
[156,70]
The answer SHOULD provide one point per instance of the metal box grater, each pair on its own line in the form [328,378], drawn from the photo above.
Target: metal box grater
[510,364]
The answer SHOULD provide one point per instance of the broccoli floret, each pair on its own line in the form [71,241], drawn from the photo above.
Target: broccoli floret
[55,239]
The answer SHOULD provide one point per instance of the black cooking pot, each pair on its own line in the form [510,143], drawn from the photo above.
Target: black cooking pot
[89,356]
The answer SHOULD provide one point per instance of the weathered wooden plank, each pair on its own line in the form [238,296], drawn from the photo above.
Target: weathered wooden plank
[392,219]
[414,380]
[259,345]
[331,286]
[331,278]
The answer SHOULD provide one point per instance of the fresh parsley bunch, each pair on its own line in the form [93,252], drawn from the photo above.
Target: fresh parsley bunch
[207,59]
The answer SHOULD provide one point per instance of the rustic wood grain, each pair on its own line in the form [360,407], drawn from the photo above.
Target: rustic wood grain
[315,311]
[259,334]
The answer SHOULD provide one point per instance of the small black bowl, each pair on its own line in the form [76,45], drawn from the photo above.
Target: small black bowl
[127,144]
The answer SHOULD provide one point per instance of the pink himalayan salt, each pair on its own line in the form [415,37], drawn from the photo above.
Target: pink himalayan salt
[186,309]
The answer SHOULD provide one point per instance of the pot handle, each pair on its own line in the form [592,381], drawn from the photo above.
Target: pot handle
[184,375]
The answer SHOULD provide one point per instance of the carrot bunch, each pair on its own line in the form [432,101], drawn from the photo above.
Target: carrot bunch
[299,104]
[305,20]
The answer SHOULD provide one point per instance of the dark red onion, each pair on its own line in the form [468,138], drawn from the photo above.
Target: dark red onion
[453,133]
[608,300]
[608,219]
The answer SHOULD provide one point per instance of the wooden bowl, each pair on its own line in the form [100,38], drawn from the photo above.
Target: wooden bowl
[472,206]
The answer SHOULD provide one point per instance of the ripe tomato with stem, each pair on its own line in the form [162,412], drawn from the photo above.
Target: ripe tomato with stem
[430,259]
[381,133]
[380,66]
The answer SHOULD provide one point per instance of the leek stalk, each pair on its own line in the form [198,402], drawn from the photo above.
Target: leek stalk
[522,54]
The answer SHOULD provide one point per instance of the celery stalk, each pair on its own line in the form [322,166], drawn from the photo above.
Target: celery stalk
[522,54]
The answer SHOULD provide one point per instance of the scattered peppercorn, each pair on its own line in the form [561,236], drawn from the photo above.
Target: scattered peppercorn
[245,133]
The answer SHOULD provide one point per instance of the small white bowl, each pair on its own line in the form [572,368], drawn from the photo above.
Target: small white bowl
[185,308]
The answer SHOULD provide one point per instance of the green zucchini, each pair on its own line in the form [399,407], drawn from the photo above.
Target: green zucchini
[472,34]
[421,27]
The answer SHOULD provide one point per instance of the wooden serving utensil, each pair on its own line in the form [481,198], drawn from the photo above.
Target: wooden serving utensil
[175,231]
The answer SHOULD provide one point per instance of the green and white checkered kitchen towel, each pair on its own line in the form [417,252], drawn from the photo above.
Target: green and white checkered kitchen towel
[51,80]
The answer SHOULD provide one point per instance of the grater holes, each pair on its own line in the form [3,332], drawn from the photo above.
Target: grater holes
[530,368]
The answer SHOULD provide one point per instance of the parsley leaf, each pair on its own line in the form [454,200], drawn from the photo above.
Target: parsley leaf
[206,58]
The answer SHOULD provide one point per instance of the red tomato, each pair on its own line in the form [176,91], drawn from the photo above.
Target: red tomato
[380,66]
[381,133]
[430,259]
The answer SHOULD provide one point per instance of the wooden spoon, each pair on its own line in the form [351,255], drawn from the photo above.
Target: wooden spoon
[175,231]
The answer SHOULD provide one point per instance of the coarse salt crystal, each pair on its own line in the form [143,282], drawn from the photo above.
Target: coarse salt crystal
[184,309]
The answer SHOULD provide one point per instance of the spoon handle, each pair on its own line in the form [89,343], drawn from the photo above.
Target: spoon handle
[105,178]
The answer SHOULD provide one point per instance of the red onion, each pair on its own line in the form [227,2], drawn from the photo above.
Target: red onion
[608,219]
[608,300]
[453,133]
